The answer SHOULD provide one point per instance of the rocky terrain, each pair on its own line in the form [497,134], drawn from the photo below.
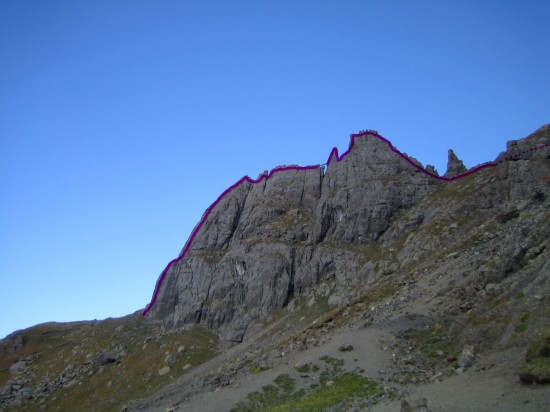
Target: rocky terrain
[368,285]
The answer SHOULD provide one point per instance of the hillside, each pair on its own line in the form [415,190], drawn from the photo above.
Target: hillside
[347,288]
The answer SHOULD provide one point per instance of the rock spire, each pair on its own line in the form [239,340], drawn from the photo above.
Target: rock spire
[455,166]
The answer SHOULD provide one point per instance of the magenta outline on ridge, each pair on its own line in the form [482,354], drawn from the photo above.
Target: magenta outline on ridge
[281,169]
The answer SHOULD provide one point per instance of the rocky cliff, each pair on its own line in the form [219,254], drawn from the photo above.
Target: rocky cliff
[260,246]
[282,238]
[373,273]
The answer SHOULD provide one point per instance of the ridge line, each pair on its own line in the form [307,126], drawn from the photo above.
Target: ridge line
[265,176]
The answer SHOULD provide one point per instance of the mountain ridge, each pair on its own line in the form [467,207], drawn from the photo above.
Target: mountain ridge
[333,154]
[369,158]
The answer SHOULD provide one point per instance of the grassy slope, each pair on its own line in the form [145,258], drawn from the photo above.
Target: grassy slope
[58,349]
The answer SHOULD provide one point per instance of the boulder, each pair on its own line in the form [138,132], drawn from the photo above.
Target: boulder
[169,360]
[302,367]
[164,370]
[107,357]
[414,405]
[17,366]
[467,357]
[346,347]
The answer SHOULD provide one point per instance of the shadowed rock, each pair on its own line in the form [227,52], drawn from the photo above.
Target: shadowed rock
[107,357]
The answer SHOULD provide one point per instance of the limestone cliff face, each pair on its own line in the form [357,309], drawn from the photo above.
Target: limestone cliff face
[266,244]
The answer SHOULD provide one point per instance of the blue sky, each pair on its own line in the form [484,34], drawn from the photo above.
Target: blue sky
[122,121]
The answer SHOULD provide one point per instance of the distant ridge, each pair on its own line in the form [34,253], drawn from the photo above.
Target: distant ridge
[338,158]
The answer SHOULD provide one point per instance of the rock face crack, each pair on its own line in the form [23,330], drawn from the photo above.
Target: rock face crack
[290,290]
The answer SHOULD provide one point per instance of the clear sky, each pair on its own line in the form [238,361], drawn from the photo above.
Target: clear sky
[122,121]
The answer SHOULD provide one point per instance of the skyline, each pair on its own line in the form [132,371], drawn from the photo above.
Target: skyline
[122,123]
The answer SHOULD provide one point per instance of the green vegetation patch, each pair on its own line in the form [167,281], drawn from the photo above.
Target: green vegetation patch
[537,367]
[539,346]
[490,318]
[538,370]
[289,221]
[433,339]
[335,363]
[460,189]
[342,390]
[522,325]
[259,369]
[335,388]
[364,252]
[271,396]
[285,383]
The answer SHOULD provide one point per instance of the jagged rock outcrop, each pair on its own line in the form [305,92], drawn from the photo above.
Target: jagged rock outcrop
[431,169]
[266,244]
[531,147]
[455,166]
